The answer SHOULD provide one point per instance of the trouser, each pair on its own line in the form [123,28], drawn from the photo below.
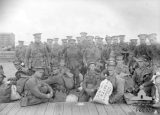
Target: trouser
[75,71]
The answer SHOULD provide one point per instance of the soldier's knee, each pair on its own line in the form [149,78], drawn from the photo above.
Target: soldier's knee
[157,80]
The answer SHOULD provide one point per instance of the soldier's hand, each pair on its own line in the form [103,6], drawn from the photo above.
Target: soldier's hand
[141,87]
[49,95]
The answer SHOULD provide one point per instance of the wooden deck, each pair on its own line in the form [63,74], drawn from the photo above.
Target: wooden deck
[73,109]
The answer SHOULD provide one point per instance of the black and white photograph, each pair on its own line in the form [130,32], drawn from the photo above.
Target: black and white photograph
[79,57]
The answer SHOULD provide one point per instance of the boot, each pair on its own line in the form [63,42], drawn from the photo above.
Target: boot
[157,105]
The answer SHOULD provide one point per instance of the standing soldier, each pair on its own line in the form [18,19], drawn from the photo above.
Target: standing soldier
[154,50]
[20,51]
[73,58]
[92,52]
[142,48]
[132,45]
[64,47]
[124,47]
[99,42]
[107,48]
[79,42]
[55,51]
[84,40]
[37,54]
[49,46]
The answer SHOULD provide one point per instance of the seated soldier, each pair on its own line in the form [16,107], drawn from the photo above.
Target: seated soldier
[19,67]
[35,90]
[121,67]
[60,76]
[157,83]
[90,84]
[118,84]
[5,89]
[142,78]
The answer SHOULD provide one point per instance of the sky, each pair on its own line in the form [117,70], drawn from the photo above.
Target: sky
[61,18]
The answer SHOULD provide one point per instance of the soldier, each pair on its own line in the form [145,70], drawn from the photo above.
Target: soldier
[118,84]
[37,54]
[142,48]
[142,78]
[99,42]
[107,48]
[124,47]
[20,51]
[79,43]
[55,52]
[92,52]
[64,47]
[132,45]
[91,83]
[49,44]
[84,40]
[36,91]
[157,83]
[154,50]
[73,57]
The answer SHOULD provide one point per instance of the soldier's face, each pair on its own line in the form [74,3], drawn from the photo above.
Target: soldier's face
[152,41]
[109,41]
[111,72]
[92,67]
[115,41]
[121,39]
[40,73]
[37,39]
[62,63]
[142,41]
[140,63]
[18,66]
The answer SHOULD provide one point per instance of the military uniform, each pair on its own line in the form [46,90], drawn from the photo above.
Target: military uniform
[20,52]
[37,55]
[99,42]
[154,50]
[118,86]
[143,76]
[64,47]
[36,91]
[142,48]
[73,57]
[107,48]
[55,51]
[92,52]
[92,80]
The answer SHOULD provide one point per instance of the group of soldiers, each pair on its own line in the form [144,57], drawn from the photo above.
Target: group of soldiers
[82,65]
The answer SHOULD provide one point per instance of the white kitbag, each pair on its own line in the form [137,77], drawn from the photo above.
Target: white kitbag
[103,93]
[14,94]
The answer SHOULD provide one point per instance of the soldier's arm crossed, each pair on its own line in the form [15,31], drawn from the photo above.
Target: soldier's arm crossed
[31,84]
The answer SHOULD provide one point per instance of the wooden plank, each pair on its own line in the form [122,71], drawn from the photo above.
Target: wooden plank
[118,109]
[15,109]
[110,110]
[50,109]
[41,109]
[133,108]
[7,109]
[92,109]
[58,108]
[84,109]
[23,110]
[75,109]
[67,109]
[32,110]
[101,110]
[126,109]
[3,105]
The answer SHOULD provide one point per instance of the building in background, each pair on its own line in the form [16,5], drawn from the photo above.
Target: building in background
[7,40]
